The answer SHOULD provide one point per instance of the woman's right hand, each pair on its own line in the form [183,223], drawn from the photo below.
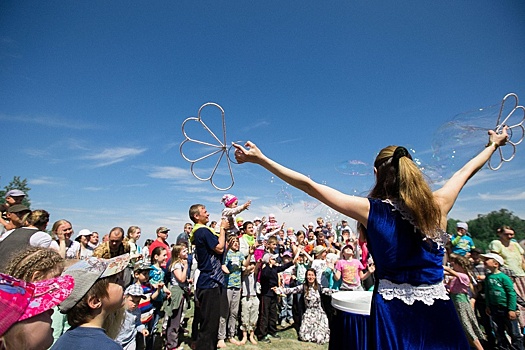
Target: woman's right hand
[501,138]
[251,154]
[61,236]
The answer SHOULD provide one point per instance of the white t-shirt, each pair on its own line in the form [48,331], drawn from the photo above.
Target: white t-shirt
[38,239]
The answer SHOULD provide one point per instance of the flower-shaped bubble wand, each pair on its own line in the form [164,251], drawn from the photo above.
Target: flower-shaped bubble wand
[219,148]
[516,131]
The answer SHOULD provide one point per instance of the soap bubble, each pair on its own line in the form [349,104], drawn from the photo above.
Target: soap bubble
[310,205]
[331,215]
[284,200]
[459,140]
[354,168]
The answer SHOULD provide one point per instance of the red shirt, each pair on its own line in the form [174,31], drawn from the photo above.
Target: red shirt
[156,243]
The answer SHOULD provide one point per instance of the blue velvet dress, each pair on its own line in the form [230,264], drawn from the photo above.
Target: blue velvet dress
[410,306]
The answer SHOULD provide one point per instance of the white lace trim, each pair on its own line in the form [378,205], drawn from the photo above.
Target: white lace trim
[442,238]
[408,293]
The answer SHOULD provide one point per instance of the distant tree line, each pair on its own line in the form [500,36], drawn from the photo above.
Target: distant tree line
[483,228]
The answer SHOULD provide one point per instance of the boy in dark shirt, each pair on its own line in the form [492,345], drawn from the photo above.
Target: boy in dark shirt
[267,326]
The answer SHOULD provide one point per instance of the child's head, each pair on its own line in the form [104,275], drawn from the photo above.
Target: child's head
[287,257]
[348,252]
[141,272]
[233,244]
[35,264]
[271,244]
[229,201]
[133,294]
[460,263]
[179,252]
[319,252]
[492,261]
[158,255]
[134,233]
[98,289]
[26,309]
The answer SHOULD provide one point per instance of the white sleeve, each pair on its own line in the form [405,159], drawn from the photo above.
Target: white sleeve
[40,239]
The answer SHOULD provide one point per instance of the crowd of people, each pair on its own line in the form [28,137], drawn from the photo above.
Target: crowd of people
[245,279]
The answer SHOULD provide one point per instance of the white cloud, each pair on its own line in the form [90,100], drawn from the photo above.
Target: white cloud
[510,196]
[111,156]
[44,180]
[49,121]
[168,172]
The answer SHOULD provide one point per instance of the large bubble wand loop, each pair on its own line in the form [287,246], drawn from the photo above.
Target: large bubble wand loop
[512,130]
[220,147]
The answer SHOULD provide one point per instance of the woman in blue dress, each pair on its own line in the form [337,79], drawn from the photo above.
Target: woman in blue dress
[406,225]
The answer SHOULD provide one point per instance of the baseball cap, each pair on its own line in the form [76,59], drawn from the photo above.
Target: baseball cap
[494,256]
[135,290]
[87,272]
[15,193]
[257,219]
[266,258]
[162,229]
[141,266]
[17,208]
[462,225]
[20,300]
[347,228]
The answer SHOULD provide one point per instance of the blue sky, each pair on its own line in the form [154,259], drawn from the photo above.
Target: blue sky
[93,95]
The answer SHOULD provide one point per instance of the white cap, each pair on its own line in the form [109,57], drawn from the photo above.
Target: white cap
[494,256]
[84,232]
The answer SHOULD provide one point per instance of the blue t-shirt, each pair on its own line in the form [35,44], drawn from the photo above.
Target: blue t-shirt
[461,245]
[208,261]
[233,262]
[85,338]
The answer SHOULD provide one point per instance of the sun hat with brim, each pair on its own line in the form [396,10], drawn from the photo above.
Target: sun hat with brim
[20,300]
[318,249]
[494,256]
[87,272]
[266,258]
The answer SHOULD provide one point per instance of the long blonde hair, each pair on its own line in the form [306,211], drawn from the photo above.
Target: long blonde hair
[399,178]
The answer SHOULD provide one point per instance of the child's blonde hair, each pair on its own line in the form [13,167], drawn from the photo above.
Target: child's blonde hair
[175,254]
[35,264]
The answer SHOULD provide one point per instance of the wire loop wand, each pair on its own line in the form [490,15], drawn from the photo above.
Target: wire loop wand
[220,147]
[512,129]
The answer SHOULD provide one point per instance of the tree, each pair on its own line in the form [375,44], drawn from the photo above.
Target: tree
[483,228]
[17,184]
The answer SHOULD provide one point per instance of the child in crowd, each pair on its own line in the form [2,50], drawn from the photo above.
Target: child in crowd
[268,307]
[232,268]
[459,285]
[501,302]
[179,289]
[152,296]
[132,325]
[302,263]
[249,302]
[159,256]
[350,270]
[94,308]
[314,326]
[35,264]
[272,223]
[286,303]
[329,273]
[26,308]
[231,209]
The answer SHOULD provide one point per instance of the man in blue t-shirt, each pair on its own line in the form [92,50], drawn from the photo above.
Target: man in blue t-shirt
[210,291]
[462,244]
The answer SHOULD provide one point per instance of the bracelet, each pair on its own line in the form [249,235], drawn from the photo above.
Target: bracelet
[492,143]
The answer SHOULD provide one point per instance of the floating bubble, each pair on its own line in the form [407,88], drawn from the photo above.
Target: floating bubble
[459,140]
[284,200]
[310,205]
[272,180]
[354,168]
[331,215]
